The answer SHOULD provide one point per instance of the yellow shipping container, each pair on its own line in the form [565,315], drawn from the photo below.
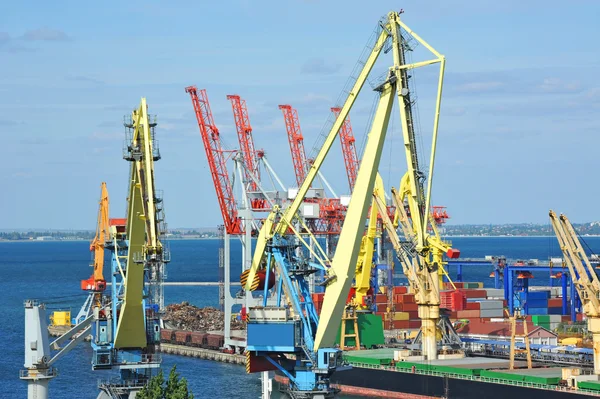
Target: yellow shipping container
[401,316]
[60,318]
[571,341]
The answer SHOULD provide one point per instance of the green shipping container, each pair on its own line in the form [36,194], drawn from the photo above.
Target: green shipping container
[370,330]
[541,320]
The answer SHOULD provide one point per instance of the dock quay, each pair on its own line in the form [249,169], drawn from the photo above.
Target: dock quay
[202,353]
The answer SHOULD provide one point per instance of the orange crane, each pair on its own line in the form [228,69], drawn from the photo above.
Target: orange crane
[96,282]
[348,148]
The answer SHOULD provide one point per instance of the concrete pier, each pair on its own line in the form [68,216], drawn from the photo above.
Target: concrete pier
[202,353]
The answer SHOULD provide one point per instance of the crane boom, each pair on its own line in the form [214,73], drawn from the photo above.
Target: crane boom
[244,132]
[296,140]
[96,282]
[583,275]
[216,160]
[349,153]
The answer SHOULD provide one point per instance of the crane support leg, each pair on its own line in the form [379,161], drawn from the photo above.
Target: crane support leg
[594,328]
[429,315]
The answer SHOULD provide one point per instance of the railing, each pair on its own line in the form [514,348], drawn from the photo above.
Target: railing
[476,378]
[35,373]
[128,358]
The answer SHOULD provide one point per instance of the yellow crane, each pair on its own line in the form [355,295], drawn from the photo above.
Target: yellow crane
[583,276]
[272,330]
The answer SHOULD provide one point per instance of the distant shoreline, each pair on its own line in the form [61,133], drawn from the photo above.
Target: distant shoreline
[218,238]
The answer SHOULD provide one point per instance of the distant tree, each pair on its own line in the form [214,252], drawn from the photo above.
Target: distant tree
[175,388]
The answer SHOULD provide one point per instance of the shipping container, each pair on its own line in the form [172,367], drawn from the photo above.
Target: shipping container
[491,313]
[537,303]
[555,311]
[474,293]
[537,311]
[468,314]
[555,303]
[489,305]
[400,289]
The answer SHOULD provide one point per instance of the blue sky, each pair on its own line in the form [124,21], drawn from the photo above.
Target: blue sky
[518,130]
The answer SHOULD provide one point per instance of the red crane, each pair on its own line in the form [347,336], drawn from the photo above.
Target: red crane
[292,126]
[331,212]
[348,148]
[216,160]
[244,132]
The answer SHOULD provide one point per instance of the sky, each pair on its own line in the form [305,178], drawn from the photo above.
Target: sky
[518,127]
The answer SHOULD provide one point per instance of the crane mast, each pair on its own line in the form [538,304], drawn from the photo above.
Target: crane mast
[349,153]
[244,132]
[583,275]
[296,140]
[216,160]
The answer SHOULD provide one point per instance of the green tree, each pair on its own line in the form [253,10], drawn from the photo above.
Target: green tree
[175,387]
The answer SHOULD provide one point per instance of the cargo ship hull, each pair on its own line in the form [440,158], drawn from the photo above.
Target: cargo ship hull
[397,384]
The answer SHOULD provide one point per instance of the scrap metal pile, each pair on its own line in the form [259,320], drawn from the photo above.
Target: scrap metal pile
[184,316]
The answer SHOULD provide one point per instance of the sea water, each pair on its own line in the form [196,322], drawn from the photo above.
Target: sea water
[51,271]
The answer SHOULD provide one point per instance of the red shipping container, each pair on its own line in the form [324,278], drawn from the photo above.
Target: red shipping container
[400,324]
[474,293]
[381,298]
[579,316]
[555,302]
[468,314]
[400,290]
[382,307]
[407,298]
[472,306]
[413,314]
[410,307]
[565,318]
[414,324]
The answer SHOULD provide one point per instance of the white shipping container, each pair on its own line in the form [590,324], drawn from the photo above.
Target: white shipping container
[491,313]
[489,305]
[495,292]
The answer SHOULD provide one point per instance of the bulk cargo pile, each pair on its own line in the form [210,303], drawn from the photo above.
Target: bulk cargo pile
[184,316]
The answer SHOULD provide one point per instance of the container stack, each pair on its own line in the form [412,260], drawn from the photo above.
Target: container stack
[536,302]
[405,315]
[549,322]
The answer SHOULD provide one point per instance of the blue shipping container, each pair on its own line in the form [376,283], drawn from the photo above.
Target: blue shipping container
[555,310]
[536,294]
[537,311]
[537,303]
